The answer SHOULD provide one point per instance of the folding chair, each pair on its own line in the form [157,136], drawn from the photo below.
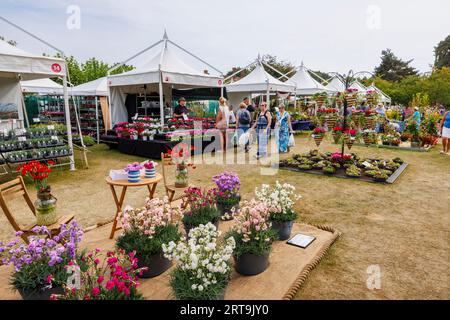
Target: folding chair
[16,188]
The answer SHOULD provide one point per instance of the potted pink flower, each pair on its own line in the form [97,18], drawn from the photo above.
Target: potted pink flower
[134,172]
[150,171]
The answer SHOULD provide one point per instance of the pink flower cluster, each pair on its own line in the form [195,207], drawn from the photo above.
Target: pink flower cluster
[196,198]
[156,213]
[253,218]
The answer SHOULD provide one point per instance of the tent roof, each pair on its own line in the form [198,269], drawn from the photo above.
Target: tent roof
[359,86]
[174,71]
[384,97]
[336,84]
[305,83]
[256,81]
[42,86]
[96,87]
[14,61]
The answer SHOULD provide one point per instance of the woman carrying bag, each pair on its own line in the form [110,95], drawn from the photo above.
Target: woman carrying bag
[262,126]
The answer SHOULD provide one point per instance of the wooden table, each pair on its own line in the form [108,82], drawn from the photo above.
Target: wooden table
[150,183]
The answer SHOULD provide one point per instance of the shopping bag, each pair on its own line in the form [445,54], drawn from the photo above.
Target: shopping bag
[291,141]
[243,139]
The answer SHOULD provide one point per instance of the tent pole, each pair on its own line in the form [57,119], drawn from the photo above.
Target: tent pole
[96,120]
[24,112]
[161,100]
[68,124]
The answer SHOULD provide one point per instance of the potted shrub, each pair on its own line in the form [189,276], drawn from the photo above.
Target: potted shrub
[39,266]
[203,264]
[227,194]
[254,236]
[145,230]
[280,201]
[46,203]
[199,207]
[114,278]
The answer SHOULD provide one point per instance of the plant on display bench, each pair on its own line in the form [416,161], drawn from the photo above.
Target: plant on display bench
[199,207]
[145,230]
[203,268]
[280,201]
[39,266]
[254,236]
[114,278]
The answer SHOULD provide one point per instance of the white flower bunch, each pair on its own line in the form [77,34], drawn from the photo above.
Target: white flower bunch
[278,199]
[201,256]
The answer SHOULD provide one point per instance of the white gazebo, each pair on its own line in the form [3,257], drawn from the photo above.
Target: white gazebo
[164,72]
[336,85]
[97,88]
[358,86]
[305,84]
[257,81]
[42,86]
[18,65]
[384,97]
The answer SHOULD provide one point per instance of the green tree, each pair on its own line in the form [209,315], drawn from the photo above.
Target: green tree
[393,68]
[437,85]
[442,54]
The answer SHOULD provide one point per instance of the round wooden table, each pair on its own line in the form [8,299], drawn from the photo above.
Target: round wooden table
[150,183]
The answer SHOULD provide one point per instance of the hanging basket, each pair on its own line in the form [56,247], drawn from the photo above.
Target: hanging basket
[349,142]
[320,101]
[331,122]
[336,136]
[367,140]
[351,101]
[369,122]
[318,139]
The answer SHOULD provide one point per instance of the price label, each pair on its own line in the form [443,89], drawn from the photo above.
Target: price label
[23,139]
[55,138]
[36,120]
[52,127]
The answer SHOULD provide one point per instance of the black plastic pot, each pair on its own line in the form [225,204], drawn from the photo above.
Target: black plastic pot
[157,265]
[283,229]
[249,264]
[43,294]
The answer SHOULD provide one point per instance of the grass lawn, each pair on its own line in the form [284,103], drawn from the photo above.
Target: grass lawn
[402,228]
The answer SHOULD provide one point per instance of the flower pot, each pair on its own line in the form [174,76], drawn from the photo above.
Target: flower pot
[144,138]
[150,173]
[42,294]
[331,122]
[181,176]
[158,265]
[134,176]
[283,228]
[415,144]
[249,264]
[45,206]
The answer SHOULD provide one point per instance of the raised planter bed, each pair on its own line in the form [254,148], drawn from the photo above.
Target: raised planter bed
[382,146]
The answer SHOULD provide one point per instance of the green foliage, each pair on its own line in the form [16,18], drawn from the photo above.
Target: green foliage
[146,246]
[181,284]
[11,42]
[442,54]
[393,68]
[259,247]
[282,66]
[289,215]
[199,216]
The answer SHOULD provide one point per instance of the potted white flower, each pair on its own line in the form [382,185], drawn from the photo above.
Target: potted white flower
[280,202]
[203,267]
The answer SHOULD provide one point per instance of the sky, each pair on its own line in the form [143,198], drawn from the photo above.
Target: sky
[331,36]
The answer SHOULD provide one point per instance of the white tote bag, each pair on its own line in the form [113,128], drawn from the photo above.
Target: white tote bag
[291,141]
[243,139]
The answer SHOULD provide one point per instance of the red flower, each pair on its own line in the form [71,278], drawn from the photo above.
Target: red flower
[95,291]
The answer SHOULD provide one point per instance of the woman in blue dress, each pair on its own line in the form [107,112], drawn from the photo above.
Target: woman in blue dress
[262,126]
[284,129]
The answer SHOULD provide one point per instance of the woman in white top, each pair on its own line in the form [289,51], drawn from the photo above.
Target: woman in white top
[222,121]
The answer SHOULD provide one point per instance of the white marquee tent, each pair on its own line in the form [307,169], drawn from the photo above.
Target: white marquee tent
[305,84]
[42,86]
[358,86]
[17,65]
[96,87]
[164,72]
[257,81]
[384,97]
[336,85]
